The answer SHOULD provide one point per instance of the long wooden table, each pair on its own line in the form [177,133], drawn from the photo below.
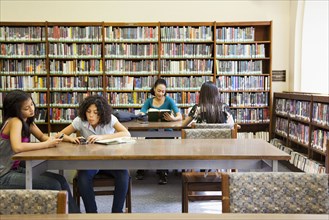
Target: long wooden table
[155,154]
[154,129]
[170,216]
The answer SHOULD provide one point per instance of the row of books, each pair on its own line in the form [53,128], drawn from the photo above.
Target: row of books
[186,66]
[37,50]
[186,50]
[22,33]
[131,34]
[186,33]
[293,108]
[320,139]
[257,135]
[76,66]
[75,33]
[192,82]
[24,82]
[37,66]
[124,50]
[74,82]
[59,50]
[251,115]
[300,160]
[236,83]
[131,67]
[299,132]
[248,99]
[235,34]
[240,51]
[281,126]
[94,33]
[63,115]
[239,67]
[321,113]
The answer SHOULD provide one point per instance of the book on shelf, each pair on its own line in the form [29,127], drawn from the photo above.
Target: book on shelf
[157,115]
[121,140]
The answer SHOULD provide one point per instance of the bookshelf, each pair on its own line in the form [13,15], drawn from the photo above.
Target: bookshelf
[301,126]
[122,61]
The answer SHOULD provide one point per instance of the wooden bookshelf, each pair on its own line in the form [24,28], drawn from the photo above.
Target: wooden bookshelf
[301,123]
[122,61]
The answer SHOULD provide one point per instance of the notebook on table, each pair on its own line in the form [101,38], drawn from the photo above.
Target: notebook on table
[121,140]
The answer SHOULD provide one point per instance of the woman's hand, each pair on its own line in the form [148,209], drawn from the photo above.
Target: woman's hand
[168,117]
[92,138]
[51,142]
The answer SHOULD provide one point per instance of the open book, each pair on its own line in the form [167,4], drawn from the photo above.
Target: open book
[157,114]
[121,140]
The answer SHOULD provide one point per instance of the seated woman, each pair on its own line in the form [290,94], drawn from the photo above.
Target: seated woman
[210,109]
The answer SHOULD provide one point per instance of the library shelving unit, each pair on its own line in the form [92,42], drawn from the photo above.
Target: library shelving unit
[23,59]
[186,59]
[244,71]
[63,62]
[301,123]
[75,63]
[131,62]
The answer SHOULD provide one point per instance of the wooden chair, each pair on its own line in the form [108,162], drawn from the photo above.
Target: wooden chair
[195,185]
[275,192]
[23,201]
[103,180]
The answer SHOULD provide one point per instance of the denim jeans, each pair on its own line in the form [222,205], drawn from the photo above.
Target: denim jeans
[86,190]
[15,179]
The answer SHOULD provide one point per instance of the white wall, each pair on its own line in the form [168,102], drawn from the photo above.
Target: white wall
[314,59]
[164,11]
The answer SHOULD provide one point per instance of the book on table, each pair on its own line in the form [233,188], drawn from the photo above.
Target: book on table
[157,115]
[121,140]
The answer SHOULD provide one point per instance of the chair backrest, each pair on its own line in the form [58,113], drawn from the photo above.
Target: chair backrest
[275,192]
[210,133]
[21,201]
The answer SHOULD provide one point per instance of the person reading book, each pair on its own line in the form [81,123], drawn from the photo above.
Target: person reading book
[160,101]
[95,122]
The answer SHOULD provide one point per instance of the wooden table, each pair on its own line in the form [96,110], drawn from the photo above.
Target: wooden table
[170,216]
[154,129]
[155,154]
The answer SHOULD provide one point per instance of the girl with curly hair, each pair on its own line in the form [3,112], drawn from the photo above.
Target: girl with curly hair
[95,122]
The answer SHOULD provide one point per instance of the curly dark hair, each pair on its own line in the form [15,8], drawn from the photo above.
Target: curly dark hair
[103,108]
[158,82]
[12,105]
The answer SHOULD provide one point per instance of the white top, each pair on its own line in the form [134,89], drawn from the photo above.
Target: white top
[86,129]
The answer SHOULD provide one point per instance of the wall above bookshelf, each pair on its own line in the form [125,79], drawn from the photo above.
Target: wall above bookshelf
[62,62]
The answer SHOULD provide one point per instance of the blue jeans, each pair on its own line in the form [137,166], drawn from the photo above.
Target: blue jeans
[86,190]
[15,179]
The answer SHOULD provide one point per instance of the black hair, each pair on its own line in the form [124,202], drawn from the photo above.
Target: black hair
[158,82]
[211,107]
[12,107]
[103,108]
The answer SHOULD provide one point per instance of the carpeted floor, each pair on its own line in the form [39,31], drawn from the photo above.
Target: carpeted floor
[150,197]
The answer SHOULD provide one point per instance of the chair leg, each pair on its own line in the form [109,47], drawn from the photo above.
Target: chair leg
[184,198]
[76,194]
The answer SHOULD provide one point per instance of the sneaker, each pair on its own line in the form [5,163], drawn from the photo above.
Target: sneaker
[140,174]
[163,178]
